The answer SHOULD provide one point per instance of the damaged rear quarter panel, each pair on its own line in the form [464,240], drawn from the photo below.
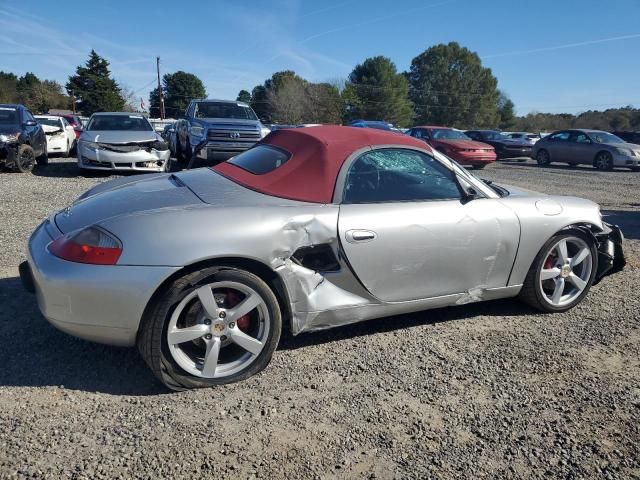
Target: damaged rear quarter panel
[268,234]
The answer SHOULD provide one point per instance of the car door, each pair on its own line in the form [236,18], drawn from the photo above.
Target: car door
[36,132]
[408,234]
[580,148]
[557,146]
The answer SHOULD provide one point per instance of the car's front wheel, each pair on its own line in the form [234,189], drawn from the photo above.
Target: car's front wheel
[25,158]
[562,273]
[215,326]
[543,158]
[603,161]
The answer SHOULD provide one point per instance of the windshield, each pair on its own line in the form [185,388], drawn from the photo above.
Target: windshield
[604,137]
[224,110]
[8,116]
[52,122]
[447,134]
[132,123]
[494,136]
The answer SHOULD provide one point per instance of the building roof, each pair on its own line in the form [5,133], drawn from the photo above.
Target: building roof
[317,155]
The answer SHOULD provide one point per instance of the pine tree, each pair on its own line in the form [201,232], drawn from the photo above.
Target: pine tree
[93,87]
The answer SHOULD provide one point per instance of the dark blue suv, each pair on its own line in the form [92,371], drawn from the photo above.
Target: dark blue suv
[22,139]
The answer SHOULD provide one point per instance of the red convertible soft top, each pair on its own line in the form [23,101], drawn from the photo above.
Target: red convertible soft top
[317,154]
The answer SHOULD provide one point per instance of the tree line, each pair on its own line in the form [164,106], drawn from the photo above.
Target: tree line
[444,85]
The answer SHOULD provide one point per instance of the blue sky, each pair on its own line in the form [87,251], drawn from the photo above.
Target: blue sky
[548,55]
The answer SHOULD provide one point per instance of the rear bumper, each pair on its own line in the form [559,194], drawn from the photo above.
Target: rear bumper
[610,252]
[474,158]
[99,303]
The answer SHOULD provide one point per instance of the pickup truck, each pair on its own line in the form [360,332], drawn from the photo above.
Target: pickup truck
[212,131]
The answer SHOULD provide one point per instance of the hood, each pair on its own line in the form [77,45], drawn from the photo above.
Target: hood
[231,122]
[9,129]
[464,144]
[515,143]
[118,137]
[125,196]
[51,129]
[156,193]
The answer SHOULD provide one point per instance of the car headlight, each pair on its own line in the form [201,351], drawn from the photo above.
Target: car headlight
[264,131]
[626,152]
[9,137]
[196,131]
[92,145]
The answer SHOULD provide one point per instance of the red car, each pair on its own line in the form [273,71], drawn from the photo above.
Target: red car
[456,145]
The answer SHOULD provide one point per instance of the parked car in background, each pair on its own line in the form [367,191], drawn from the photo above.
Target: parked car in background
[23,142]
[601,149]
[531,138]
[504,146]
[456,145]
[377,124]
[61,137]
[122,141]
[75,121]
[169,135]
[311,229]
[213,131]
[629,137]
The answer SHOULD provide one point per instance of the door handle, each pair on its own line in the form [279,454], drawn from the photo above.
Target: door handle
[360,236]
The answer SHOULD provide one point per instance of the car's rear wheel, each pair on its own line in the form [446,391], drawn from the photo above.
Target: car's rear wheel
[543,158]
[562,273]
[215,326]
[25,159]
[603,161]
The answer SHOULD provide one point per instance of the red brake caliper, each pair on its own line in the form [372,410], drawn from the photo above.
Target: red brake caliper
[233,299]
[549,263]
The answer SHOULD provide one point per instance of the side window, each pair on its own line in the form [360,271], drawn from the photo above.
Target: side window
[398,175]
[28,116]
[580,137]
[474,135]
[65,124]
[560,137]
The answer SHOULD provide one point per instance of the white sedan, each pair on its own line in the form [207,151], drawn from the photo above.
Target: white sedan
[60,135]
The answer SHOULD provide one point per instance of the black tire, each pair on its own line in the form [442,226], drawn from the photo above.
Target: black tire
[179,156]
[478,167]
[194,162]
[25,159]
[152,337]
[603,161]
[531,293]
[43,160]
[543,158]
[635,169]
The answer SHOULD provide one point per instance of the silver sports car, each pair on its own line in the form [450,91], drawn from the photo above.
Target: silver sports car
[310,229]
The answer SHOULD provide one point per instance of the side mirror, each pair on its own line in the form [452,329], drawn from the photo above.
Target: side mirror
[30,123]
[468,192]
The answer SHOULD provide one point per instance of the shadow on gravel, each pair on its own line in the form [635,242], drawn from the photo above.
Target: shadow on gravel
[496,308]
[35,354]
[528,162]
[628,221]
[66,169]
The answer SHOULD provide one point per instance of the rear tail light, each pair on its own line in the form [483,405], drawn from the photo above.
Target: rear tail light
[91,245]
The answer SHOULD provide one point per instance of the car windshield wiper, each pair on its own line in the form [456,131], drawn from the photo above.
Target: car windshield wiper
[503,192]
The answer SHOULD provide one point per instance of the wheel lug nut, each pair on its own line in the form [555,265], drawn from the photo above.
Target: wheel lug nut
[223,338]
[207,322]
[231,325]
[222,314]
[208,336]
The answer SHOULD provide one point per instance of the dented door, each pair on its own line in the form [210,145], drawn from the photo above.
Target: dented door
[414,250]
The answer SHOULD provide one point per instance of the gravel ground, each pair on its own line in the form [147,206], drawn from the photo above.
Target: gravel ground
[482,391]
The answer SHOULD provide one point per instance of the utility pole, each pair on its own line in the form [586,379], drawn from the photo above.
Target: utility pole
[160,89]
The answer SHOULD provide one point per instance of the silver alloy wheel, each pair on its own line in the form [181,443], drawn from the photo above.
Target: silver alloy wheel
[604,161]
[565,271]
[543,157]
[197,348]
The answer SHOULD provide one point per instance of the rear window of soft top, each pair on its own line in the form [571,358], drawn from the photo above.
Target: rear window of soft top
[261,159]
